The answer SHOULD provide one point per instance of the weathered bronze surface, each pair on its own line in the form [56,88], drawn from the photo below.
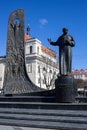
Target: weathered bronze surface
[16,79]
[65,43]
[65,85]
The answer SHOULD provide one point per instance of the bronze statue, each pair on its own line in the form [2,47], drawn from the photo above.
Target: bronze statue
[65,42]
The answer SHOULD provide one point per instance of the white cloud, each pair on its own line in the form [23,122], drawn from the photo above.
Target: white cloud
[43,21]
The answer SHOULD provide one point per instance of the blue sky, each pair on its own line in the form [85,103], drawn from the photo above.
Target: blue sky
[46,19]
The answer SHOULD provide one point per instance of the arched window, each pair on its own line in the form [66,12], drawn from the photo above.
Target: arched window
[44,69]
[50,71]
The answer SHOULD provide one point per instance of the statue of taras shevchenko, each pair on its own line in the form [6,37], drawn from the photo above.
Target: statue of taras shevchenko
[65,43]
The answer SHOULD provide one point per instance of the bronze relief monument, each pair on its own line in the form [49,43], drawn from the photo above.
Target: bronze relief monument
[16,79]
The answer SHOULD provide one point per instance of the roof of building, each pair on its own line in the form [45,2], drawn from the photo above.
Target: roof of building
[75,72]
[48,51]
[26,37]
[43,48]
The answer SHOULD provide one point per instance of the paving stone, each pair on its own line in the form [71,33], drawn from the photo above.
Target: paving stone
[19,128]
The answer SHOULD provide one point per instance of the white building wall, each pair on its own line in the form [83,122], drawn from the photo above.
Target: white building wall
[35,43]
[36,76]
[2,69]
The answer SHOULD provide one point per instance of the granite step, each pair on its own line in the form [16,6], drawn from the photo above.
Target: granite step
[44,124]
[42,115]
[69,113]
[44,105]
[27,99]
[64,119]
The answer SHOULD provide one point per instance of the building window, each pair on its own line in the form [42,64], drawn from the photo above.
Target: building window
[50,71]
[38,69]
[38,80]
[44,81]
[54,73]
[0,78]
[29,68]
[44,69]
[31,49]
[37,50]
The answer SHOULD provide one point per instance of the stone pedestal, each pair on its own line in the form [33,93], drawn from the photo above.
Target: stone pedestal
[66,89]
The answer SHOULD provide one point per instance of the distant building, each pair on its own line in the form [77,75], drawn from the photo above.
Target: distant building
[82,86]
[41,64]
[80,74]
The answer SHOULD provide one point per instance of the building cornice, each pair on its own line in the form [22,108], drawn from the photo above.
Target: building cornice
[33,40]
[44,60]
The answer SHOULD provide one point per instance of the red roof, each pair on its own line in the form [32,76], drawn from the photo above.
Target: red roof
[48,51]
[27,37]
[79,72]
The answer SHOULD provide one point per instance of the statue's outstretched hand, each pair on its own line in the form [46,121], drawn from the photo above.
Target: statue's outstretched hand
[49,40]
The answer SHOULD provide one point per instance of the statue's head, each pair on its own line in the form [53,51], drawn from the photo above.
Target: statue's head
[65,30]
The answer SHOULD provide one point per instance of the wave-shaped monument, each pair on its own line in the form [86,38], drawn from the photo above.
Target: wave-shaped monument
[16,80]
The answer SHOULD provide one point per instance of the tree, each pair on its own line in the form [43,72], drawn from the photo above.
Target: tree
[81,83]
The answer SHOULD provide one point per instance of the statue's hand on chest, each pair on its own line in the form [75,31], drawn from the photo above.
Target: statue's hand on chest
[67,40]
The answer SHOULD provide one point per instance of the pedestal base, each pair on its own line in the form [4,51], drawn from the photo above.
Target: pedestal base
[66,89]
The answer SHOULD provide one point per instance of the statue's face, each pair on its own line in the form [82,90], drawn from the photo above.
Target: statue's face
[65,31]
